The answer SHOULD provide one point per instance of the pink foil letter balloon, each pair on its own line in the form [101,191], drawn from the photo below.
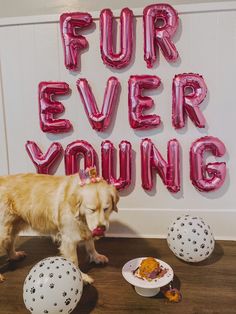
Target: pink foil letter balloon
[211,176]
[159,36]
[99,120]
[168,171]
[109,56]
[48,107]
[138,103]
[70,23]
[72,153]
[107,151]
[182,103]
[43,162]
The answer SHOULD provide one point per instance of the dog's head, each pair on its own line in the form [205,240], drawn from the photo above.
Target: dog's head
[98,201]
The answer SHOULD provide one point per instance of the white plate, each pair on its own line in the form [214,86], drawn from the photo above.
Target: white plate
[128,273]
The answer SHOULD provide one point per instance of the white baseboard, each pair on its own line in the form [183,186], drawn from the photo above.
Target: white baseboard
[153,223]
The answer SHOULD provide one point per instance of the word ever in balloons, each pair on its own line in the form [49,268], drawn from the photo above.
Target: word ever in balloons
[183,103]
[205,177]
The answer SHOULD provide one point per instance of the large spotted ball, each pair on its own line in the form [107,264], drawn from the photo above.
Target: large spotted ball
[190,238]
[54,285]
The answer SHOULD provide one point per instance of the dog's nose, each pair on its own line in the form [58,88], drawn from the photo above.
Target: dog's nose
[99,231]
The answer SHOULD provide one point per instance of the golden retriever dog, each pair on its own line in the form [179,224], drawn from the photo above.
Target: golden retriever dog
[59,206]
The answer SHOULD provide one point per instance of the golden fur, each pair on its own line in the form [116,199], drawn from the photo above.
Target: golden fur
[58,206]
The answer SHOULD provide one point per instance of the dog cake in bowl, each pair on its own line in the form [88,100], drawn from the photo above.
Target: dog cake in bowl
[147,275]
[149,269]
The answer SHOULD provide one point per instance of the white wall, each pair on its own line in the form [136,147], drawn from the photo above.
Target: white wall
[15,8]
[31,51]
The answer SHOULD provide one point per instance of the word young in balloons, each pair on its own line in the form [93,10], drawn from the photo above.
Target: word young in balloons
[157,36]
[205,177]
[182,104]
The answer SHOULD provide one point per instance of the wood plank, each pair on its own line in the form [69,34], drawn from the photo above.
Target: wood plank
[207,287]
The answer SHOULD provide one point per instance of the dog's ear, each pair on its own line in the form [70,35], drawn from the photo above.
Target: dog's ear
[75,203]
[115,198]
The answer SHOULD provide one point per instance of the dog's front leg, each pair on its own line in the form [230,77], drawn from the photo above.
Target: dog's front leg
[93,254]
[69,250]
[2,278]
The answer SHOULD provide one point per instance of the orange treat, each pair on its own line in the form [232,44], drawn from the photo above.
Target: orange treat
[173,295]
[149,268]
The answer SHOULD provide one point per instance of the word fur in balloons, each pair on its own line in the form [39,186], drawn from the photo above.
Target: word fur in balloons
[156,37]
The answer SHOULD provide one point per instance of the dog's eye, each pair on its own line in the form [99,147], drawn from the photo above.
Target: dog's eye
[92,210]
[106,209]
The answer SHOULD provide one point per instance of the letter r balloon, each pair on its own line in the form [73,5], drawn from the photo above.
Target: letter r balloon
[189,104]
[159,36]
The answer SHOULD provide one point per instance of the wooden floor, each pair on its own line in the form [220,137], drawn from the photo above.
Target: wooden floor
[207,288]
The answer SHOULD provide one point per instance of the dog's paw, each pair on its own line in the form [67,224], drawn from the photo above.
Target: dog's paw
[2,278]
[17,256]
[87,279]
[99,259]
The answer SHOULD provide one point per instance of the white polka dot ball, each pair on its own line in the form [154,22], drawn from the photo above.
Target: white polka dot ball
[53,286]
[190,238]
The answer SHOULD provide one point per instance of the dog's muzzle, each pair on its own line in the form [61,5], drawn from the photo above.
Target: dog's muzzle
[99,231]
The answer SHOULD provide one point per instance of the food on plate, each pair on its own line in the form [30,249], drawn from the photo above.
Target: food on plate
[150,269]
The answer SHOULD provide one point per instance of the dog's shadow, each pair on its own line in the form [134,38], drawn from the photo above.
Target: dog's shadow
[32,246]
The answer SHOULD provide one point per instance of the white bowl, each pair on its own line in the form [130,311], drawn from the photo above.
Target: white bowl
[144,287]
